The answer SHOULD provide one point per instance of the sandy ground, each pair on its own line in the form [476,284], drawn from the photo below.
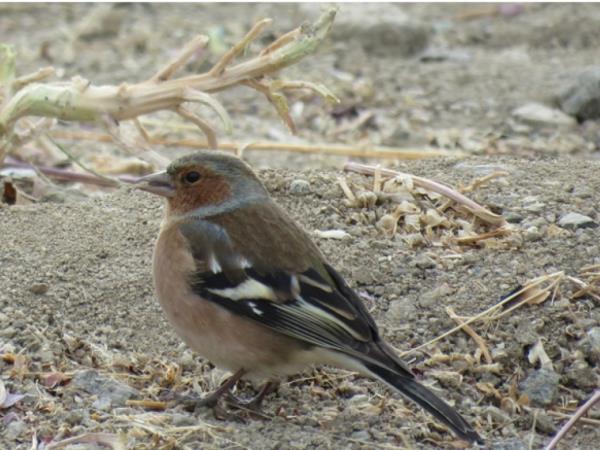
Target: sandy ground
[80,331]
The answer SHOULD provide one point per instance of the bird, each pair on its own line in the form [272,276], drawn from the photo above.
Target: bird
[246,288]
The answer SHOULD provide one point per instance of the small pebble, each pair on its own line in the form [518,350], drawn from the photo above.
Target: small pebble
[541,386]
[39,288]
[300,187]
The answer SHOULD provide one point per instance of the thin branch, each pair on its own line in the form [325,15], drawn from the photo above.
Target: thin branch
[238,48]
[376,152]
[38,75]
[278,101]
[580,412]
[180,60]
[467,329]
[320,89]
[192,95]
[69,175]
[208,131]
[281,41]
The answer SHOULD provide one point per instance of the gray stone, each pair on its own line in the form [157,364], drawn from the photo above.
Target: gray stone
[573,221]
[437,295]
[544,423]
[300,187]
[497,415]
[541,115]
[594,338]
[15,429]
[110,392]
[541,386]
[581,99]
[402,309]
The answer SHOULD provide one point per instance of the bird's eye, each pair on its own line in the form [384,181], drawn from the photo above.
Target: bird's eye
[191,177]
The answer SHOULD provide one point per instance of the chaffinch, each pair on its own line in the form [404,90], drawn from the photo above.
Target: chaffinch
[246,288]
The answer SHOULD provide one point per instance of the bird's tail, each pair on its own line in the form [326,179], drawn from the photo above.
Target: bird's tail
[418,393]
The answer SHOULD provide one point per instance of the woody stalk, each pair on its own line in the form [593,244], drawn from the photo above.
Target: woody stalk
[80,101]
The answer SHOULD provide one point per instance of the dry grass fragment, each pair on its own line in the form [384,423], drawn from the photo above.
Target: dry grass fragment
[476,209]
[419,210]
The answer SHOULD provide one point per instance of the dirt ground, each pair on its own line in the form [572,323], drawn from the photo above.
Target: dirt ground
[80,331]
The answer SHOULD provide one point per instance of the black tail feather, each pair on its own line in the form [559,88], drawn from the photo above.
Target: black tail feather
[418,393]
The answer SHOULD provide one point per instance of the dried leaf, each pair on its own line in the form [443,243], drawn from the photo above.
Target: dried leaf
[534,295]
[412,222]
[537,353]
[6,398]
[53,379]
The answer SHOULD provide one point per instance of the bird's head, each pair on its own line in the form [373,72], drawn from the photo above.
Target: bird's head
[205,183]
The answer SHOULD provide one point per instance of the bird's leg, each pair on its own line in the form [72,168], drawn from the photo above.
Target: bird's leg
[255,402]
[266,389]
[211,400]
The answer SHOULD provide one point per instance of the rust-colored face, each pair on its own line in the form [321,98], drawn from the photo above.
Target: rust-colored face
[188,188]
[197,186]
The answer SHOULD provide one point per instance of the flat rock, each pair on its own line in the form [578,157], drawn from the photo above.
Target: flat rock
[574,220]
[541,115]
[110,392]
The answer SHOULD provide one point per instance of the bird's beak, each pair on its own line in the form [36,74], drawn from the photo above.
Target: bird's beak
[159,183]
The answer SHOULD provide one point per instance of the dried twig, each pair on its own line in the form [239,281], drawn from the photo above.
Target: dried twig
[567,426]
[476,209]
[113,441]
[376,152]
[467,329]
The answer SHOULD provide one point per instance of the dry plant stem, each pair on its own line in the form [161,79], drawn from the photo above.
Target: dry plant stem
[467,240]
[281,41]
[186,53]
[208,131]
[277,100]
[478,339]
[329,149]
[476,209]
[238,48]
[580,412]
[81,101]
[488,313]
[68,175]
[38,75]
[111,440]
[587,420]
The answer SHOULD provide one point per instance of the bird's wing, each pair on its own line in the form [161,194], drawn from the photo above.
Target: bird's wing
[279,279]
